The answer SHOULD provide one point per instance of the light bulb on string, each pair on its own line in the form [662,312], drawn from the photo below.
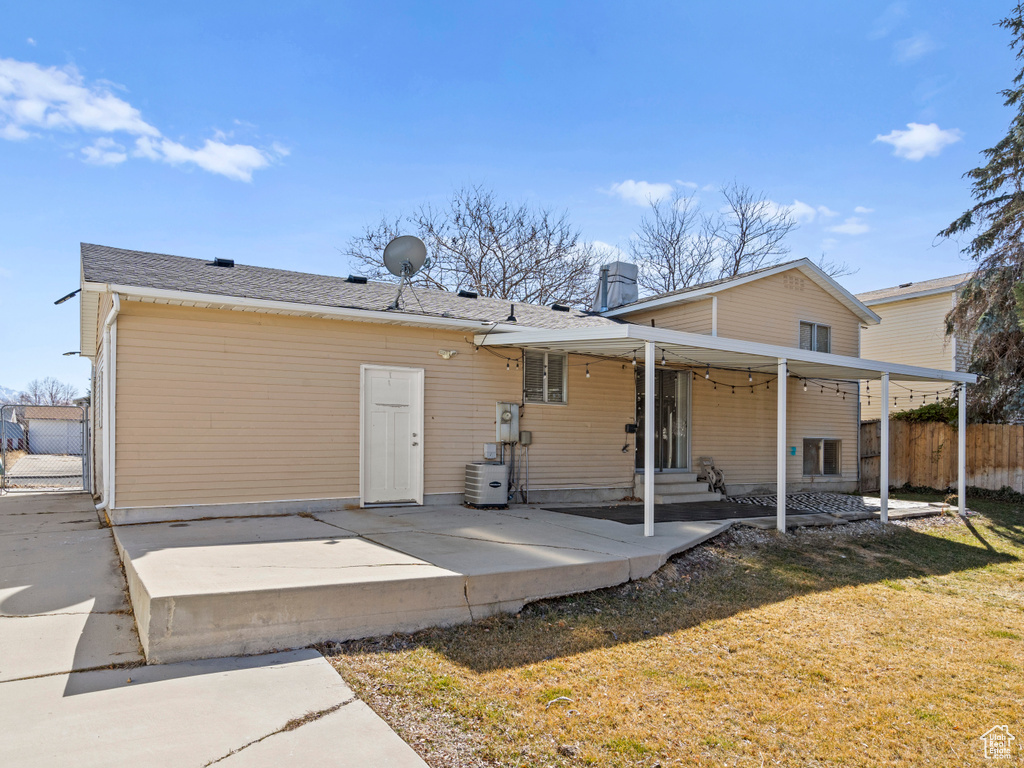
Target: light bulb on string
[750,376]
[588,370]
[634,359]
[707,372]
[508,365]
[663,357]
[805,385]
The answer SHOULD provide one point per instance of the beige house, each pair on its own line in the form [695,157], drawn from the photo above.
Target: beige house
[226,389]
[913,331]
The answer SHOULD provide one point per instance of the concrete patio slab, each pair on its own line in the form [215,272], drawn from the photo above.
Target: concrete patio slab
[224,531]
[207,601]
[222,587]
[60,573]
[190,714]
[500,575]
[351,737]
[55,643]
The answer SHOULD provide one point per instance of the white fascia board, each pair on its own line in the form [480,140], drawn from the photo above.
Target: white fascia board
[918,295]
[129,293]
[808,267]
[641,333]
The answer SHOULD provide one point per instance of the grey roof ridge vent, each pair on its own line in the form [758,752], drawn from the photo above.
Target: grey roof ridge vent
[466,294]
[357,279]
[219,262]
[559,307]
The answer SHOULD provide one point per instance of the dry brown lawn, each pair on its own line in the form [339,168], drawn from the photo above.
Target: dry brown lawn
[856,646]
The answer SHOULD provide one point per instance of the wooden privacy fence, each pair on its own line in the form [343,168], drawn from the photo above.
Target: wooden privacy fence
[925,455]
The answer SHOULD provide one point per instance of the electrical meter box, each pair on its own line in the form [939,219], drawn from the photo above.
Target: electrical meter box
[506,421]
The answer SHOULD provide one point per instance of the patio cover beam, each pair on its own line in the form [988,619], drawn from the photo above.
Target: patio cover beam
[883,452]
[780,449]
[961,456]
[717,351]
[649,364]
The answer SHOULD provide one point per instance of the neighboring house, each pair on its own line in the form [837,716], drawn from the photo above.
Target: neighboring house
[54,429]
[227,389]
[912,331]
[12,434]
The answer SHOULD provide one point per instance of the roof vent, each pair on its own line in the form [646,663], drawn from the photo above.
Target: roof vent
[905,285]
[559,307]
[468,294]
[357,279]
[218,262]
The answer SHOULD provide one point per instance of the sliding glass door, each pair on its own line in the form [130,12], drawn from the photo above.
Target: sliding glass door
[671,419]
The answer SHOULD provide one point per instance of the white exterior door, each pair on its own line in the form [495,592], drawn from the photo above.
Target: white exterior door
[391,435]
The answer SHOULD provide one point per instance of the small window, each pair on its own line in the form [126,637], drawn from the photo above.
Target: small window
[822,457]
[544,376]
[816,337]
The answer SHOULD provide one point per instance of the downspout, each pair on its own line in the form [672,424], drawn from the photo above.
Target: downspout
[109,356]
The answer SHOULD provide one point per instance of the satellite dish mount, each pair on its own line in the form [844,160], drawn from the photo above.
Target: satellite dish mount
[404,257]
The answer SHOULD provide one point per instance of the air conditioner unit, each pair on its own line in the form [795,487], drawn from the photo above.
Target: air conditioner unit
[487,484]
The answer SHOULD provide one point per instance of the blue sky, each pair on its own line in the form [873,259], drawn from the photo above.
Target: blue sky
[271,133]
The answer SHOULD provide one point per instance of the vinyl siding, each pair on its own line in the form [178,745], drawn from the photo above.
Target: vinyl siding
[738,429]
[215,406]
[771,309]
[912,332]
[693,317]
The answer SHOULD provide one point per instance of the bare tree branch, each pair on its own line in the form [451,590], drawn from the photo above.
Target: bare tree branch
[497,248]
[48,391]
[753,231]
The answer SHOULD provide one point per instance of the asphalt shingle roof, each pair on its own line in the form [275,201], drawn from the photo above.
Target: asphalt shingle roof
[102,264]
[908,289]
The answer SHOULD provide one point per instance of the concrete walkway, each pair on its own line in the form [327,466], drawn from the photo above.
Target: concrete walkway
[63,612]
[210,588]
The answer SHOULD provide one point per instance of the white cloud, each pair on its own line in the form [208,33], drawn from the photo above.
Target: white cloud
[914,47]
[236,161]
[640,192]
[687,184]
[607,252]
[920,141]
[890,18]
[31,41]
[851,226]
[104,151]
[825,212]
[829,243]
[36,99]
[802,212]
[862,209]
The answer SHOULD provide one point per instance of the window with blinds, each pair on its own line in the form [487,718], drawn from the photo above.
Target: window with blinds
[544,377]
[815,337]
[822,457]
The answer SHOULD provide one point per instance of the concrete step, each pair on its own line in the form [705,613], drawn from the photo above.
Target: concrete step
[676,489]
[686,498]
[670,477]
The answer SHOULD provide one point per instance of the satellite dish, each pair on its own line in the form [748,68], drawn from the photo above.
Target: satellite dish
[405,256]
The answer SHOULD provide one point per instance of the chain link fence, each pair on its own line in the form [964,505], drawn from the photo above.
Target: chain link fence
[44,447]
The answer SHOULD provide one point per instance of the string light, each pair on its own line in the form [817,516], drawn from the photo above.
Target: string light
[823,389]
[805,385]
[734,390]
[663,357]
[707,372]
[837,391]
[750,376]
[751,390]
[508,366]
[634,359]
[588,370]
